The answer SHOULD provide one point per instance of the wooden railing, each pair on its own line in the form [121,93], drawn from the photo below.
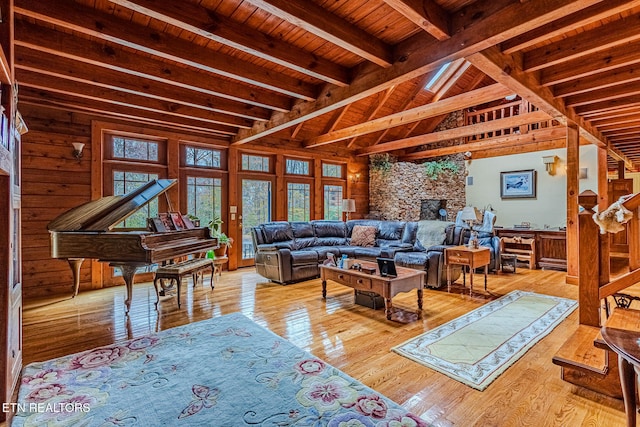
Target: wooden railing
[594,280]
[508,109]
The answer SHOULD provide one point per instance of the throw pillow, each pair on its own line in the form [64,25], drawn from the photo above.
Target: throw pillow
[363,235]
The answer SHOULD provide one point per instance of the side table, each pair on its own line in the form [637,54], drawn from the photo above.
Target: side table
[470,257]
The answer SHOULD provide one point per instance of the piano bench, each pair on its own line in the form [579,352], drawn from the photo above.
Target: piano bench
[176,272]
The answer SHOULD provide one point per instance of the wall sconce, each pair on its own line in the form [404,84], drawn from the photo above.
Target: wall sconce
[348,206]
[355,177]
[550,164]
[77,150]
[583,173]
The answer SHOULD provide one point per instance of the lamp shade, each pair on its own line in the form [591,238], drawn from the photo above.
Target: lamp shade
[78,146]
[348,205]
[469,214]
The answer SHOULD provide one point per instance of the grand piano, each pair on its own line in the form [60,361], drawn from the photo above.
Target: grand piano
[86,232]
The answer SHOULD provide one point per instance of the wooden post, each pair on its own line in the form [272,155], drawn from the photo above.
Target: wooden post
[588,262]
[621,169]
[573,188]
[603,203]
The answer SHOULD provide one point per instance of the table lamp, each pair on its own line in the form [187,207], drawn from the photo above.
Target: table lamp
[348,206]
[470,216]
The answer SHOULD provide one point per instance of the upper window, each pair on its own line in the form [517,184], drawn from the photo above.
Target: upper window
[202,157]
[330,170]
[297,167]
[255,163]
[135,149]
[437,76]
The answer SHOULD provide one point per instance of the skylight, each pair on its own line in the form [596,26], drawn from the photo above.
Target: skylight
[437,76]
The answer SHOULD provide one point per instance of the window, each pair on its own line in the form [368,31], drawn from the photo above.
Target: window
[255,163]
[125,182]
[429,86]
[134,149]
[297,167]
[204,198]
[331,170]
[298,201]
[333,202]
[202,157]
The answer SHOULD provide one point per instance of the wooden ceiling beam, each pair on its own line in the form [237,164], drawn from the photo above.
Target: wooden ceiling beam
[203,22]
[491,143]
[375,106]
[410,99]
[504,69]
[108,58]
[599,62]
[318,21]
[426,14]
[627,74]
[600,95]
[631,116]
[471,34]
[633,124]
[608,105]
[465,100]
[51,65]
[71,15]
[45,97]
[459,132]
[582,44]
[90,91]
[565,24]
[616,112]
[525,147]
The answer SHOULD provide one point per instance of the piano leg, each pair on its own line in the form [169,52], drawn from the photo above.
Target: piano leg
[128,273]
[75,264]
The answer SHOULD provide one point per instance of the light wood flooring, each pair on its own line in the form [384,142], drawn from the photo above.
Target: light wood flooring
[352,338]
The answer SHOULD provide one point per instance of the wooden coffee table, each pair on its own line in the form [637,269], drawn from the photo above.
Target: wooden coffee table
[388,287]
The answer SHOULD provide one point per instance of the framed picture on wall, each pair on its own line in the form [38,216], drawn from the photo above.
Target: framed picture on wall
[518,184]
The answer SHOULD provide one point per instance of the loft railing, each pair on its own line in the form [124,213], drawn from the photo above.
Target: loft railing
[502,111]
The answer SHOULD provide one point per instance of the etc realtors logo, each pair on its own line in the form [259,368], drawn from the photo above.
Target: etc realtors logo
[33,407]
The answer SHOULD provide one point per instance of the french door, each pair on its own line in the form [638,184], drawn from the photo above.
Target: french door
[256,207]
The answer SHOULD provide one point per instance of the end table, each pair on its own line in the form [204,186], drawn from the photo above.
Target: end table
[470,257]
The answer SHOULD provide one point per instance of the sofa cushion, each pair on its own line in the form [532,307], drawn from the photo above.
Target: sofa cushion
[305,242]
[363,235]
[373,252]
[277,231]
[330,229]
[302,229]
[390,230]
[304,257]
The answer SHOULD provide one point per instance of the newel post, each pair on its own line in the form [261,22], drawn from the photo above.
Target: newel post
[588,261]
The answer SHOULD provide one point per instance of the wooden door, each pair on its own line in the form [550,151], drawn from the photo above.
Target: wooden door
[619,241]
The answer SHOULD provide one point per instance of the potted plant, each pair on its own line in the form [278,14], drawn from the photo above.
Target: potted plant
[224,241]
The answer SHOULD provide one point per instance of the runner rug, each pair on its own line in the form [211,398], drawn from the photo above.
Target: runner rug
[226,371]
[479,346]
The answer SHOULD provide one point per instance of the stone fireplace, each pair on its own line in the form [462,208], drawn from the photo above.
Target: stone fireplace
[430,208]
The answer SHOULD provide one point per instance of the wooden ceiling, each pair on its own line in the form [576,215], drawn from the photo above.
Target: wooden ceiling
[337,73]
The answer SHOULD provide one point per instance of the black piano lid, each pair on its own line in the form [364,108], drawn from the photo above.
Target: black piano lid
[105,213]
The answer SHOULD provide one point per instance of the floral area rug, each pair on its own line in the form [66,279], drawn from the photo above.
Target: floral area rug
[226,371]
[479,346]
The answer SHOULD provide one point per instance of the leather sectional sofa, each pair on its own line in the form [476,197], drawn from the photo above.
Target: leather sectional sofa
[287,252]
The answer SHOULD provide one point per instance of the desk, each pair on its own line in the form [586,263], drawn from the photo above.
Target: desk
[470,257]
[625,344]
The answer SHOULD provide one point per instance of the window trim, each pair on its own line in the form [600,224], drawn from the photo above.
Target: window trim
[108,149]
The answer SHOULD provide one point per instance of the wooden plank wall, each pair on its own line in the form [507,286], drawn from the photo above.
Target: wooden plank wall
[54,182]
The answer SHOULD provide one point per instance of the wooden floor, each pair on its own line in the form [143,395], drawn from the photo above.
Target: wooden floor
[353,338]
